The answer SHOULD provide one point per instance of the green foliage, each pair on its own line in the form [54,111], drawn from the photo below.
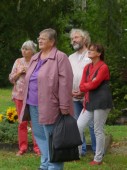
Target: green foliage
[8,132]
[113,115]
[106,22]
[23,21]
[125,97]
[5,99]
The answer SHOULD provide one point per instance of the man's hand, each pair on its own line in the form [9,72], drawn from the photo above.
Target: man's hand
[77,94]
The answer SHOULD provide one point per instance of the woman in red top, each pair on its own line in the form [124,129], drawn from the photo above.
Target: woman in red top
[98,98]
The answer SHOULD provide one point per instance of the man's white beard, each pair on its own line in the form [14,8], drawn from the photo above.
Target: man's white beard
[77,47]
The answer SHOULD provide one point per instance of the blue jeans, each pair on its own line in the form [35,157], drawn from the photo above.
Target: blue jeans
[78,106]
[52,166]
[41,136]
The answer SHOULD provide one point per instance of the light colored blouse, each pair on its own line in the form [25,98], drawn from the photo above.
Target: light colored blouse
[18,89]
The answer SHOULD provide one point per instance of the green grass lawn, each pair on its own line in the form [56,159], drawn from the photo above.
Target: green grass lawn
[112,160]
[8,161]
[5,99]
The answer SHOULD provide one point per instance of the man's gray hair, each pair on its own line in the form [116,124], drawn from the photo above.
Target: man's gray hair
[83,33]
[30,45]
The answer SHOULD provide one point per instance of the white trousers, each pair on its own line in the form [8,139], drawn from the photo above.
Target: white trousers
[99,118]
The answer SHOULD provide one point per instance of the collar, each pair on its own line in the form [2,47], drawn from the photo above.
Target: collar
[52,54]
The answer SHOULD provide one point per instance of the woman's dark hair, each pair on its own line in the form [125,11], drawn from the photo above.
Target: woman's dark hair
[99,48]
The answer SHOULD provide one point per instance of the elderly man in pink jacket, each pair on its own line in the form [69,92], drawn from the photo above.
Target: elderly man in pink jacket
[48,93]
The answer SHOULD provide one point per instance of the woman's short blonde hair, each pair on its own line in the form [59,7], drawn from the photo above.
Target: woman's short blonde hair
[30,45]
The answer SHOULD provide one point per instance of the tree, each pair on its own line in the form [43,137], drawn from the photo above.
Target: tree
[22,20]
[105,20]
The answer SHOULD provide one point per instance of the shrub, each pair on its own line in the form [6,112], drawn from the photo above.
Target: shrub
[113,116]
[8,132]
[9,126]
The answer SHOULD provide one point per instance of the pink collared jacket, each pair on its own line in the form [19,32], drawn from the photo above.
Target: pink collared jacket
[55,79]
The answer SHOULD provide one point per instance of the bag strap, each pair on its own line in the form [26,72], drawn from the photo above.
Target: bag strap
[87,72]
[95,74]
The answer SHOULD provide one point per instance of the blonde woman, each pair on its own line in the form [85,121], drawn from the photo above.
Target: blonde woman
[17,78]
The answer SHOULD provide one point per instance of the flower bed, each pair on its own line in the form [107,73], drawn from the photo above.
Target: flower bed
[11,115]
[9,128]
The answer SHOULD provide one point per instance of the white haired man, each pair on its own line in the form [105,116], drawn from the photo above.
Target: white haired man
[80,40]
